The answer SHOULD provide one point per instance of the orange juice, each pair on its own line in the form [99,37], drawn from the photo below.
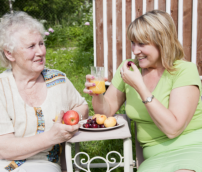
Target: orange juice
[99,87]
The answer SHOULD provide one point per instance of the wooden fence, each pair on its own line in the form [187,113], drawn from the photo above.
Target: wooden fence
[112,17]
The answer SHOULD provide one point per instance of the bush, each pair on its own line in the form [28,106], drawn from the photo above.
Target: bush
[58,38]
[85,41]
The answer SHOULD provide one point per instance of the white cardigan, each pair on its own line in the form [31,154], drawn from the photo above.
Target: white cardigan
[24,121]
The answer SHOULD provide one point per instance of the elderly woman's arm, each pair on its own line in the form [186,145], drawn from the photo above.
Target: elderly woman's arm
[13,148]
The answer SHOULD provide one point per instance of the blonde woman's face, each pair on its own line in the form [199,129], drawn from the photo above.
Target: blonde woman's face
[148,55]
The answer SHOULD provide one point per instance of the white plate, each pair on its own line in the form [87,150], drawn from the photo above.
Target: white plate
[99,129]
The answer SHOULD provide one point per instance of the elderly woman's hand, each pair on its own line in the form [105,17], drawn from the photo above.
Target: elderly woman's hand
[60,132]
[132,78]
[89,84]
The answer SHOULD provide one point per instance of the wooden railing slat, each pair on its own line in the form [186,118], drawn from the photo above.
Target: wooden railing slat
[138,7]
[174,12]
[99,33]
[199,38]
[109,38]
[150,5]
[119,31]
[128,21]
[162,5]
[187,28]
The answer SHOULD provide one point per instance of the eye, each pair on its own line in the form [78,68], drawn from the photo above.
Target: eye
[31,46]
[41,43]
[141,44]
[132,42]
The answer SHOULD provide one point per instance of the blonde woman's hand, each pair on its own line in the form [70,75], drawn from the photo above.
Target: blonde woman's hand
[61,132]
[89,84]
[132,78]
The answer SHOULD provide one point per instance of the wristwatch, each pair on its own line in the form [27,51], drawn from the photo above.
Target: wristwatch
[148,100]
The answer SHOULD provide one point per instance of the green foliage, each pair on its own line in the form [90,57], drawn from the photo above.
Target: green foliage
[58,38]
[4,7]
[85,41]
[74,32]
[79,34]
[54,12]
[50,10]
[63,36]
[2,69]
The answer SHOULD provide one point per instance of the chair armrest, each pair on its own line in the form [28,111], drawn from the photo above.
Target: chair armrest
[139,150]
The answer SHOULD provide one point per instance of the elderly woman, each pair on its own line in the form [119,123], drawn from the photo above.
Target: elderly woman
[30,98]
[162,93]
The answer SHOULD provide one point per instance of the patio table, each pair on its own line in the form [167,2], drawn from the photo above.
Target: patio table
[122,132]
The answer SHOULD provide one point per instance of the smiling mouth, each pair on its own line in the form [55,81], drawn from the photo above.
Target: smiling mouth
[40,60]
[140,58]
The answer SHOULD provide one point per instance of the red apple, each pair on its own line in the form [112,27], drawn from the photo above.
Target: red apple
[71,117]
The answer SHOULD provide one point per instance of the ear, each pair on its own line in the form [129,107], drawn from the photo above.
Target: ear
[9,56]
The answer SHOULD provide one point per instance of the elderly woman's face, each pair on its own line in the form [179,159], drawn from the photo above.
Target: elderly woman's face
[29,55]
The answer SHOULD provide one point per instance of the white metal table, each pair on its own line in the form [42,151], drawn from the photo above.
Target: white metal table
[122,132]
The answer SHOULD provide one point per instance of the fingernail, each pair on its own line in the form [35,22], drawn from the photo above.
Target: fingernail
[97,94]
[91,91]
[93,84]
[92,77]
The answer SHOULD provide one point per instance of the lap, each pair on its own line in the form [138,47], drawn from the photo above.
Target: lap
[188,158]
[33,166]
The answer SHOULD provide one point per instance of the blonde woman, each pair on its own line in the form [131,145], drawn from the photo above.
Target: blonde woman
[162,94]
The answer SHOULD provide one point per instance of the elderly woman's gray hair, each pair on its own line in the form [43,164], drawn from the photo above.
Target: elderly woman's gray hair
[11,24]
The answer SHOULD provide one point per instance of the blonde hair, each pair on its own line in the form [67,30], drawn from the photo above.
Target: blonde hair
[11,24]
[157,28]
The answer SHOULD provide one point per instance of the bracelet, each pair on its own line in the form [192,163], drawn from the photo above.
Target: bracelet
[148,100]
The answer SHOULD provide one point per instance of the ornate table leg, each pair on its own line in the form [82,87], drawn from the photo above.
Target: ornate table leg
[128,157]
[88,165]
[78,157]
[68,155]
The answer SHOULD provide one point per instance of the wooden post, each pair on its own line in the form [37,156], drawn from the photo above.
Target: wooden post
[187,28]
[10,6]
[199,38]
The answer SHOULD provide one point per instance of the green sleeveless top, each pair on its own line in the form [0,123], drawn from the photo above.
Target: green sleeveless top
[148,134]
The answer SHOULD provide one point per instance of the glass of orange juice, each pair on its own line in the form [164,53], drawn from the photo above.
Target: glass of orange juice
[98,73]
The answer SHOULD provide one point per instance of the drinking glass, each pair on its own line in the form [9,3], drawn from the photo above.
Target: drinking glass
[98,73]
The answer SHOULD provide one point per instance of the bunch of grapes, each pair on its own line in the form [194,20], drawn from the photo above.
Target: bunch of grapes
[91,123]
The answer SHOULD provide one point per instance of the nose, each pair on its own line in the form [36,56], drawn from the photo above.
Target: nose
[39,50]
[135,49]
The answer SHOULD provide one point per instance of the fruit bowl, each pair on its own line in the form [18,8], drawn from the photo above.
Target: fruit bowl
[98,129]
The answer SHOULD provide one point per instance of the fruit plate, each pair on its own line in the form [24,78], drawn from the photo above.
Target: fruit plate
[99,129]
